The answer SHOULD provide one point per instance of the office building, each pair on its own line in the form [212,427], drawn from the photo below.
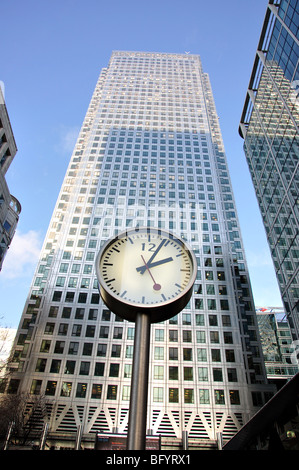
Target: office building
[278,346]
[10,207]
[149,153]
[269,126]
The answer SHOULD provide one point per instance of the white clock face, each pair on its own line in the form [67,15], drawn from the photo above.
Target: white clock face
[146,267]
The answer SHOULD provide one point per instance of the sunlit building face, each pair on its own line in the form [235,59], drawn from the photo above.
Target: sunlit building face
[149,153]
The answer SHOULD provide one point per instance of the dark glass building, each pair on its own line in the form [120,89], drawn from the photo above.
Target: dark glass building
[269,126]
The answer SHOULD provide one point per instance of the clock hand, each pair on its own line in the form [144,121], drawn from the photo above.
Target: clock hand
[155,286]
[155,263]
[143,268]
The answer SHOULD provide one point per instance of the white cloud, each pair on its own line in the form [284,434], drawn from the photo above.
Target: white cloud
[257,259]
[22,255]
[67,138]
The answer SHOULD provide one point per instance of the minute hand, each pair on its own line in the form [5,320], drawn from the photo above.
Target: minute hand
[155,263]
[143,268]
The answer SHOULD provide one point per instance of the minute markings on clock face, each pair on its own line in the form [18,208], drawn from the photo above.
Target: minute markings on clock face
[146,268]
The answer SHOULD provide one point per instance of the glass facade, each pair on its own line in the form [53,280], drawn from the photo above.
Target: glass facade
[278,347]
[269,126]
[149,152]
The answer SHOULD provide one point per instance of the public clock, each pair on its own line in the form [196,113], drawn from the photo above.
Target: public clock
[146,270]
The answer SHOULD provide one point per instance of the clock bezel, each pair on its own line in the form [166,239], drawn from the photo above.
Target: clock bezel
[158,312]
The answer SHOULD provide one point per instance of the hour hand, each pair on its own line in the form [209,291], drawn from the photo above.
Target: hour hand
[155,263]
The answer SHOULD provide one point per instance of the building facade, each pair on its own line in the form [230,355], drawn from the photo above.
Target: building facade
[149,153]
[10,207]
[269,126]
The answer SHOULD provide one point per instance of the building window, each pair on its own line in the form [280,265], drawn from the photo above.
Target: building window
[102,349]
[81,390]
[55,366]
[216,356]
[173,395]
[35,387]
[63,327]
[93,314]
[104,332]
[112,392]
[158,372]
[96,391]
[187,354]
[53,312]
[230,355]
[84,368]
[158,394]
[57,296]
[66,312]
[114,370]
[79,315]
[49,329]
[87,349]
[126,393]
[173,354]
[199,318]
[129,352]
[90,331]
[40,365]
[99,368]
[187,319]
[59,347]
[106,315]
[159,353]
[159,335]
[203,374]
[173,373]
[116,350]
[117,333]
[204,396]
[69,367]
[173,335]
[187,336]
[219,397]
[188,395]
[127,371]
[234,397]
[214,337]
[202,355]
[188,373]
[217,375]
[73,348]
[130,333]
[228,337]
[51,388]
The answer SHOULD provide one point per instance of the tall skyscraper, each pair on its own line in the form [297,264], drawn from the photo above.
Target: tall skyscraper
[149,153]
[269,126]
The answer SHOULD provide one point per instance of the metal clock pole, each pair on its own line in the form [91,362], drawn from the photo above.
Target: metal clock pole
[139,384]
[112,272]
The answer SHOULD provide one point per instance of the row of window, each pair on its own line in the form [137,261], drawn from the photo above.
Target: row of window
[159,371]
[157,393]
[199,303]
[118,333]
[101,351]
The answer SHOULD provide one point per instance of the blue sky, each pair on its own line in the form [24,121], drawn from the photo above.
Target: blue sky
[51,55]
